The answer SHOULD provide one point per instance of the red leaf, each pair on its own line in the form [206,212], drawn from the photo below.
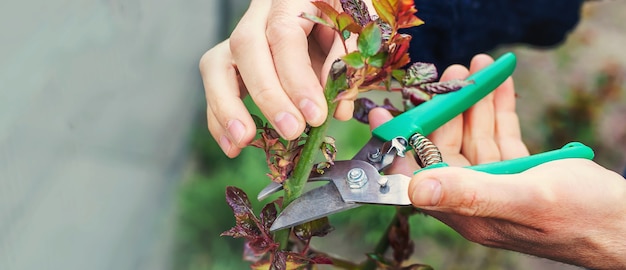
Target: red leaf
[238,200]
[419,73]
[414,96]
[443,87]
[327,10]
[268,216]
[256,232]
[398,51]
[321,259]
[363,106]
[405,14]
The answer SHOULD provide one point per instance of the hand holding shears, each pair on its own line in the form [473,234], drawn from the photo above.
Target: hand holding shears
[358,181]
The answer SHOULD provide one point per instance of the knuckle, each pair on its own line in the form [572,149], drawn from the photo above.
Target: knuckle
[240,40]
[279,31]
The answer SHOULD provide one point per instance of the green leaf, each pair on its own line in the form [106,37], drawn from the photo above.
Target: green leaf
[370,39]
[398,74]
[354,59]
[345,34]
[378,60]
[316,19]
[258,122]
[346,22]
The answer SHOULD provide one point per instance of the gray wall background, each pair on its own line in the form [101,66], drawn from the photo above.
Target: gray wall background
[96,102]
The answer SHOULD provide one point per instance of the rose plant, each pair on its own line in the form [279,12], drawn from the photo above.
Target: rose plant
[380,62]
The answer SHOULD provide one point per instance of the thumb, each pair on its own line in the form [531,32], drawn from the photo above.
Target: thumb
[470,193]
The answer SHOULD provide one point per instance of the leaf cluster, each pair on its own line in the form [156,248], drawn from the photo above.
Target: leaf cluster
[382,53]
[259,247]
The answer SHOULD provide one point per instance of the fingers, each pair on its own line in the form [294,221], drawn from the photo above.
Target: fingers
[449,137]
[470,193]
[253,57]
[507,131]
[287,37]
[228,119]
[479,145]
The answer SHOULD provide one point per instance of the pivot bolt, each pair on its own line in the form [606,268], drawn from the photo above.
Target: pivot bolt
[356,178]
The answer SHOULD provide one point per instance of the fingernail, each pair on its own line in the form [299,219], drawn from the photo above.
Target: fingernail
[310,110]
[225,144]
[236,130]
[287,124]
[427,193]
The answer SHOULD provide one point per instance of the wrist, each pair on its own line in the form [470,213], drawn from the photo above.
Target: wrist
[607,249]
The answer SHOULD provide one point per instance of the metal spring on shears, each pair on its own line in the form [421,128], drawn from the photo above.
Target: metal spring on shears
[426,151]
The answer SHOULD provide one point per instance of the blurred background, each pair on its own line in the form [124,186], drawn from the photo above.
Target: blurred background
[106,161]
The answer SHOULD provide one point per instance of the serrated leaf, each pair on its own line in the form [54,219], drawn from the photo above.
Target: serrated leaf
[238,201]
[268,215]
[405,16]
[358,10]
[319,228]
[327,10]
[354,59]
[398,51]
[419,73]
[258,239]
[316,19]
[378,60]
[443,87]
[370,39]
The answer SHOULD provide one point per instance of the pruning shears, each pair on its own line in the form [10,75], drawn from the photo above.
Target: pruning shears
[358,181]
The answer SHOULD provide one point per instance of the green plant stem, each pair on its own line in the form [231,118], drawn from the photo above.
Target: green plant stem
[295,184]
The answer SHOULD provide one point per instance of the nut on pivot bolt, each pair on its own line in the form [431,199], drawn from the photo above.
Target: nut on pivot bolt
[356,178]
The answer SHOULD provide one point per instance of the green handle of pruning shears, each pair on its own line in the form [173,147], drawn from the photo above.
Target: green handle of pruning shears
[571,150]
[432,114]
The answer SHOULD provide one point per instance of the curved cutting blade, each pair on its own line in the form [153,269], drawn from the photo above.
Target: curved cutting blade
[317,203]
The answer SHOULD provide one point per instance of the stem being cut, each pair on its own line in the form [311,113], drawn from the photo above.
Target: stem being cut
[295,184]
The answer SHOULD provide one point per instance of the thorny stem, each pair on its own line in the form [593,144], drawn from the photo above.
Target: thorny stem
[295,184]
